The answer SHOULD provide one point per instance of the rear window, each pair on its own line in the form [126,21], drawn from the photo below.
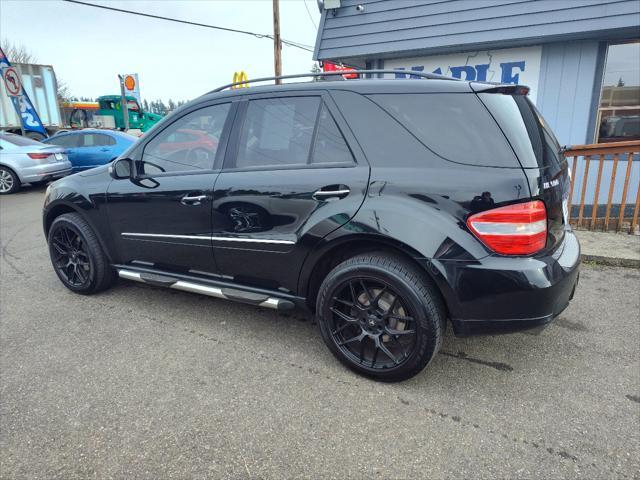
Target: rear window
[530,136]
[455,126]
[20,141]
[63,140]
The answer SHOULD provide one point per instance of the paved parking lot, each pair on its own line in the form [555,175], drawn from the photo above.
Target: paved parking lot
[139,382]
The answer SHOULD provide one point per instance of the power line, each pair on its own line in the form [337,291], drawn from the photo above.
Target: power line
[290,43]
[309,13]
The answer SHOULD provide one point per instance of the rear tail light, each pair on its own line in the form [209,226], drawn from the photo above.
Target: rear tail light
[39,156]
[519,229]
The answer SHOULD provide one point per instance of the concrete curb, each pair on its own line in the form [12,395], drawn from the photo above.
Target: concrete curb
[611,261]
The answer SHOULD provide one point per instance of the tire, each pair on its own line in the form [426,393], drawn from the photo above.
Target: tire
[405,302]
[9,181]
[91,272]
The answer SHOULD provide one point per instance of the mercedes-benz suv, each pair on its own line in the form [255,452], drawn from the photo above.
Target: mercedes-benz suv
[388,207]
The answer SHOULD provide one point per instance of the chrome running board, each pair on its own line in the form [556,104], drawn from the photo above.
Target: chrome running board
[233,294]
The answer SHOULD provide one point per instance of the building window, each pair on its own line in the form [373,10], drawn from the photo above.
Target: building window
[619,109]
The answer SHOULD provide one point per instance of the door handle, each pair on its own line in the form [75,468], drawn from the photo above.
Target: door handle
[339,191]
[104,149]
[193,200]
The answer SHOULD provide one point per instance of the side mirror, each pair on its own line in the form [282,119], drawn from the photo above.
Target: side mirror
[121,168]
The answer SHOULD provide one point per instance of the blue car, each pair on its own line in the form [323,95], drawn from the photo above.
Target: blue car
[89,148]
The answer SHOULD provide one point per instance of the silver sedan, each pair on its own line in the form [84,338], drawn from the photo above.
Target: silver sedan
[23,160]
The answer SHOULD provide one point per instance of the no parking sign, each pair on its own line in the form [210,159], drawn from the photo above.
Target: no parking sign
[12,82]
[28,115]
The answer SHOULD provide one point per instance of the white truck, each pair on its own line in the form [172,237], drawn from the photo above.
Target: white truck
[39,81]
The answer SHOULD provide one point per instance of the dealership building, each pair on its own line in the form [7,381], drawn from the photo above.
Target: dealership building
[580,58]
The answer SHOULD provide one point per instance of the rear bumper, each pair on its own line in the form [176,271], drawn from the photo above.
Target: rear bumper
[45,172]
[502,295]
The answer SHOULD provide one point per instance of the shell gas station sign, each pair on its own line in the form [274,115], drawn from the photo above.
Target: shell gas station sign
[132,86]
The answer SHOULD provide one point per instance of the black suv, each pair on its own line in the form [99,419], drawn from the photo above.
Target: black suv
[385,206]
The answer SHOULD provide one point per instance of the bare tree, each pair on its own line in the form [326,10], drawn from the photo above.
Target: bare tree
[19,53]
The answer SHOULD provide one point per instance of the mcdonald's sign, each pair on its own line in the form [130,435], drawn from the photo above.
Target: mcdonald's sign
[241,79]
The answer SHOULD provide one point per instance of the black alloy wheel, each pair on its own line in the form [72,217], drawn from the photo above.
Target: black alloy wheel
[371,324]
[76,255]
[381,315]
[70,256]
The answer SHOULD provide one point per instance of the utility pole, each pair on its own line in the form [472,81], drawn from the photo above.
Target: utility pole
[123,104]
[277,44]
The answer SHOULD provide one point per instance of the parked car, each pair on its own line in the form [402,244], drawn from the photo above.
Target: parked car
[387,207]
[23,160]
[188,139]
[90,148]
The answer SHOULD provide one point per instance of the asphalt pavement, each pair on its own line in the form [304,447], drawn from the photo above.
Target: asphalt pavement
[141,382]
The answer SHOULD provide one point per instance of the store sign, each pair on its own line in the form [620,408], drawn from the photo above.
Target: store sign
[131,86]
[512,65]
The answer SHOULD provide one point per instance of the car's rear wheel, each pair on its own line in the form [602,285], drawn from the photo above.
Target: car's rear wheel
[77,257]
[381,316]
[9,181]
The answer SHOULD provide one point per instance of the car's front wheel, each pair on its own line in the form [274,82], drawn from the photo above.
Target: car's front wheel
[381,316]
[76,255]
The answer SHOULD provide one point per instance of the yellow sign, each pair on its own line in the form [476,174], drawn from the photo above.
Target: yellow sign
[241,79]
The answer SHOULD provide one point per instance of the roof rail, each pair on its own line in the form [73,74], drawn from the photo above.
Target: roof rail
[430,76]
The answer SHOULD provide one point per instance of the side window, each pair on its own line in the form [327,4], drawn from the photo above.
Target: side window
[330,146]
[96,140]
[456,126]
[87,140]
[277,132]
[189,144]
[67,141]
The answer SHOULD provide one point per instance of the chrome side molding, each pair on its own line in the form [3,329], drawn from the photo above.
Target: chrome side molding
[235,294]
[208,237]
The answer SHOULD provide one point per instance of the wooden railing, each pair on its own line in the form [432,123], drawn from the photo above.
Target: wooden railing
[610,159]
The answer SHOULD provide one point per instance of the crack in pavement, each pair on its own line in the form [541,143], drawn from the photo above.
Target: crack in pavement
[504,367]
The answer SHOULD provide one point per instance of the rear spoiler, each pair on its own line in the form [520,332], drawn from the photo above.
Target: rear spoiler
[502,88]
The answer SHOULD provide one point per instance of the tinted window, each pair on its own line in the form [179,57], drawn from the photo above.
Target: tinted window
[277,132]
[171,151]
[330,146]
[456,126]
[385,142]
[64,140]
[531,138]
[96,140]
[182,136]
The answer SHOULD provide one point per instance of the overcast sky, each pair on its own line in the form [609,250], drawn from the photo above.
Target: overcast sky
[88,47]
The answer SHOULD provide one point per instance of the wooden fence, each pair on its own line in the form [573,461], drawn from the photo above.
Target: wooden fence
[591,211]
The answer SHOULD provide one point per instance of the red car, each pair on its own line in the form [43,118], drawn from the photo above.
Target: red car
[184,139]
